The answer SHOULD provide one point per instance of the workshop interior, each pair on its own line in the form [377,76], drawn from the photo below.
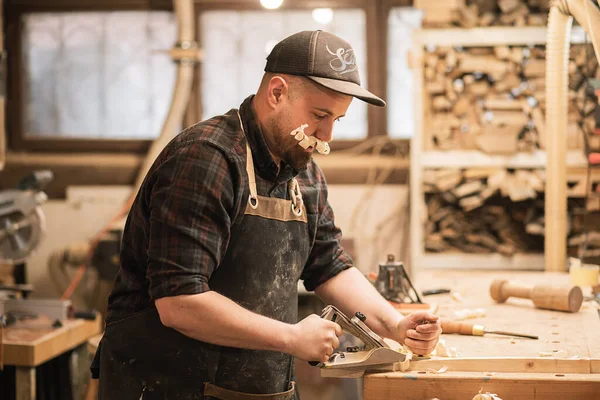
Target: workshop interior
[473,195]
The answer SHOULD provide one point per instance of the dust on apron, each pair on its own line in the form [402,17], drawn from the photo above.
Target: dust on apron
[140,358]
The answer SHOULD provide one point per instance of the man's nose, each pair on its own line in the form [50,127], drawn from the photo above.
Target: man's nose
[325,131]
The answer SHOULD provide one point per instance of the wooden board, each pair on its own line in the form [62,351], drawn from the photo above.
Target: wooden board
[495,36]
[460,386]
[514,364]
[31,343]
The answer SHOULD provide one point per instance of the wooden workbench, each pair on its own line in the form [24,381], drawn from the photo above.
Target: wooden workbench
[28,344]
[509,367]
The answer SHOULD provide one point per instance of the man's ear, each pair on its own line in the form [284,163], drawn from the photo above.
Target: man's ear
[278,91]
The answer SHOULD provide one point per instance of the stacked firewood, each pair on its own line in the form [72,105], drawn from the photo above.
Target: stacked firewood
[493,210]
[484,210]
[493,98]
[477,13]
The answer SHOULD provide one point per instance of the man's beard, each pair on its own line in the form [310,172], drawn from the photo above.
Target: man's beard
[287,147]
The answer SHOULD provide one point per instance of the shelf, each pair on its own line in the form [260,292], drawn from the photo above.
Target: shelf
[475,158]
[480,261]
[493,36]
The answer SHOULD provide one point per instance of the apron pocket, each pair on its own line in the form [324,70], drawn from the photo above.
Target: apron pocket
[217,393]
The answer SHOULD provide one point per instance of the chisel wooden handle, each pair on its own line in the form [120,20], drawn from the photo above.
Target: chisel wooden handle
[462,328]
[551,297]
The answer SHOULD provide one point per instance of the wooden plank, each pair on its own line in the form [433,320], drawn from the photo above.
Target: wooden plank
[494,36]
[456,260]
[505,364]
[33,342]
[473,158]
[460,386]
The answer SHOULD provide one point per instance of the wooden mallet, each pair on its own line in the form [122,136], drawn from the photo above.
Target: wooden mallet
[552,297]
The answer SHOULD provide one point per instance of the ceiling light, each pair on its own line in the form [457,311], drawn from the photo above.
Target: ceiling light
[271,4]
[323,15]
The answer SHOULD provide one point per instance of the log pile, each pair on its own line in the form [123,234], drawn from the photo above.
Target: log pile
[493,98]
[481,13]
[484,210]
[492,210]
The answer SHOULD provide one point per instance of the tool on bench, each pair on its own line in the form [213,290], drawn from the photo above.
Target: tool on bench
[464,328]
[394,284]
[551,297]
[21,217]
[435,291]
[374,353]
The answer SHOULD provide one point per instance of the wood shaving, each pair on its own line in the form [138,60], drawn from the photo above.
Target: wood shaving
[513,341]
[486,396]
[403,365]
[444,350]
[546,354]
[575,357]
[467,313]
[456,297]
[490,373]
[435,371]
[560,354]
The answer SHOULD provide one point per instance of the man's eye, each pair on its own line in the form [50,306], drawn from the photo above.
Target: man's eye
[320,117]
[338,119]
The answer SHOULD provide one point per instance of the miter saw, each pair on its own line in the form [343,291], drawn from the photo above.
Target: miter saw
[375,353]
[22,222]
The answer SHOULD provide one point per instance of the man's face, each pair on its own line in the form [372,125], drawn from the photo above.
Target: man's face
[316,106]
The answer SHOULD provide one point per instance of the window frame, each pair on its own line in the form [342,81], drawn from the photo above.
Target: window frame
[376,30]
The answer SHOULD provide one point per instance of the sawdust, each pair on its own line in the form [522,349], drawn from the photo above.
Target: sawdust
[467,313]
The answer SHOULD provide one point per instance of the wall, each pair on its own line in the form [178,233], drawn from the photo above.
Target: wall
[373,216]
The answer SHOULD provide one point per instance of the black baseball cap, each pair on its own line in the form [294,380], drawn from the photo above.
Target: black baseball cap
[323,57]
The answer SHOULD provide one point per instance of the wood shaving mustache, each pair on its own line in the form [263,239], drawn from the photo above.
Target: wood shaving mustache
[306,141]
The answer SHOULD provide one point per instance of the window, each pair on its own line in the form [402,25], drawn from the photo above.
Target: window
[400,113]
[97,75]
[236,45]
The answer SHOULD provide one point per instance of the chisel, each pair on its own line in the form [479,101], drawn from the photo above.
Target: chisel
[464,328]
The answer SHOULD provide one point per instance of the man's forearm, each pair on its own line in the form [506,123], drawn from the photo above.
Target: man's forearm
[350,291]
[213,318]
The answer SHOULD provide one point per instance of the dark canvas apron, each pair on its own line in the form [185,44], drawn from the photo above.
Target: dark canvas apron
[142,359]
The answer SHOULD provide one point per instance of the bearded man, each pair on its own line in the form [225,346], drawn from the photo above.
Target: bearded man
[232,214]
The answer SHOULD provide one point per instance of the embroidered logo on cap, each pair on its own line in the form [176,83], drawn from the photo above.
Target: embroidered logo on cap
[344,63]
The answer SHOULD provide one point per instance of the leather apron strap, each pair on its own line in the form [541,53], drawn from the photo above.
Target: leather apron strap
[224,394]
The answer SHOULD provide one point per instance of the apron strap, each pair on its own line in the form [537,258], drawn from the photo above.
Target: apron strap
[293,186]
[225,394]
[253,199]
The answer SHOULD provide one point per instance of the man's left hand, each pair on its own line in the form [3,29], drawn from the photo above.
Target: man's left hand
[420,332]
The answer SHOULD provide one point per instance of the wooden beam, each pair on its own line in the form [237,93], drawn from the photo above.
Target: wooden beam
[121,169]
[420,385]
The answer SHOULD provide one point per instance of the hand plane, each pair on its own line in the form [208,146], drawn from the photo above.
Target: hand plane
[352,363]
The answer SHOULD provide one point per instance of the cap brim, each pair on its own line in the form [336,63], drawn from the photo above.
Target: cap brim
[349,88]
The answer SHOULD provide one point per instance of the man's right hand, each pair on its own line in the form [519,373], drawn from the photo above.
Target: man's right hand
[315,339]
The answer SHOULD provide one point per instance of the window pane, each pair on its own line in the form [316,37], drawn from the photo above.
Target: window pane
[401,114]
[236,45]
[97,75]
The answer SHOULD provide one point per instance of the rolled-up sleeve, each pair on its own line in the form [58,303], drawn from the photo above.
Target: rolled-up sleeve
[327,257]
[191,207]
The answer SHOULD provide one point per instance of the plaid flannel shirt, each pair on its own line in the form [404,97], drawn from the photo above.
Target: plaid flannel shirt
[179,225]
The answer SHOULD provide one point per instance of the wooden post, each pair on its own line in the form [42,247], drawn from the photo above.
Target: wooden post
[557,67]
[25,383]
